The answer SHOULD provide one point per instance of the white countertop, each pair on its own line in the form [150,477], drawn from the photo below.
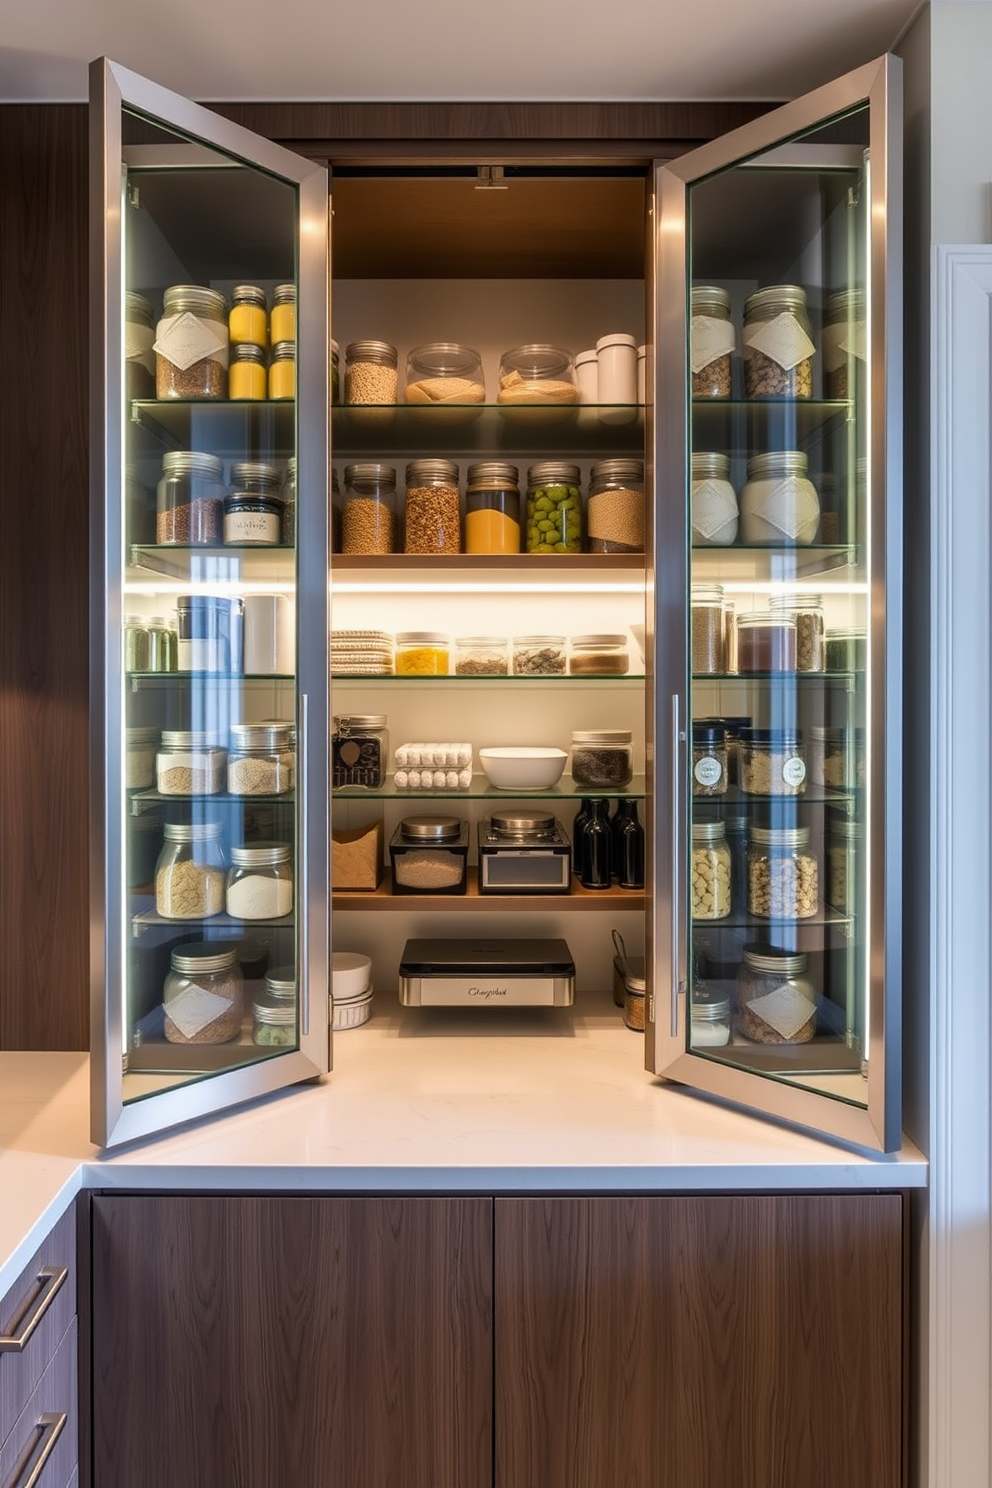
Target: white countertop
[424,1103]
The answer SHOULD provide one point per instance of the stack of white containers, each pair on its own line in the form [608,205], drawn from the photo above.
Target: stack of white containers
[351,989]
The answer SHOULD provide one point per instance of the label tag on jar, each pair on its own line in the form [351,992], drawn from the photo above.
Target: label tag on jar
[708,771]
[710,339]
[195,1009]
[714,508]
[781,339]
[185,339]
[790,506]
[841,340]
[793,770]
[785,1009]
[139,344]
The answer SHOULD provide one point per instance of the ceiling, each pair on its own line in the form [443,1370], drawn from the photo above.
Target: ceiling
[447,50]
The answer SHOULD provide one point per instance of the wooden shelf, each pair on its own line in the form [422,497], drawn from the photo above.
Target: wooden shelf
[612,900]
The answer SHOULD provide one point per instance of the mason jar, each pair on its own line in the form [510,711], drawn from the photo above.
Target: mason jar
[139,338]
[260,759]
[482,656]
[782,876]
[260,881]
[359,750]
[247,376]
[335,374]
[287,495]
[766,642]
[253,510]
[282,320]
[273,1023]
[710,773]
[421,653]
[492,508]
[203,995]
[778,343]
[709,873]
[843,849]
[248,319]
[713,500]
[711,342]
[192,344]
[844,343]
[602,759]
[432,522]
[776,1001]
[807,611]
[370,373]
[189,763]
[772,762]
[554,508]
[707,630]
[189,500]
[779,502]
[368,518]
[190,872]
[282,371]
[615,509]
[709,1020]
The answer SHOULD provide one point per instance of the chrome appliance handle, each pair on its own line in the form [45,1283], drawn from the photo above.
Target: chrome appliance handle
[303,862]
[676,864]
[50,1425]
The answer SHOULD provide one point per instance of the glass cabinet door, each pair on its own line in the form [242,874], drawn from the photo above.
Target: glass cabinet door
[778,637]
[209,611]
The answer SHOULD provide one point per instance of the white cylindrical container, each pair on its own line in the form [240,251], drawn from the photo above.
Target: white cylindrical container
[616,355]
[587,375]
[269,641]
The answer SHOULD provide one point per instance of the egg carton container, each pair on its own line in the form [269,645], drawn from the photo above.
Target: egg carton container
[431,766]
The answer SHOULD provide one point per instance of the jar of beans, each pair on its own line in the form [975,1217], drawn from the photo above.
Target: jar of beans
[189,500]
[779,503]
[776,1001]
[191,344]
[711,342]
[492,508]
[807,611]
[778,343]
[782,876]
[707,647]
[844,343]
[433,507]
[709,758]
[368,520]
[713,500]
[615,509]
[772,762]
[710,871]
[370,372]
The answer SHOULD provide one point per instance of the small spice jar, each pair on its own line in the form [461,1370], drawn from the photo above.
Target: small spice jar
[711,342]
[421,653]
[247,377]
[782,877]
[772,762]
[836,757]
[248,320]
[433,507]
[599,656]
[778,343]
[191,344]
[713,500]
[615,509]
[189,763]
[492,508]
[162,645]
[710,773]
[776,1001]
[359,750]
[779,503]
[807,611]
[554,508]
[260,881]
[203,995]
[482,656]
[602,758]
[446,374]
[140,746]
[189,500]
[635,989]
[709,874]
[282,371]
[429,855]
[368,518]
[706,629]
[539,656]
[190,872]
[844,343]
[139,355]
[766,642]
[282,321]
[370,372]
[843,847]
[260,760]
[273,1023]
[253,510]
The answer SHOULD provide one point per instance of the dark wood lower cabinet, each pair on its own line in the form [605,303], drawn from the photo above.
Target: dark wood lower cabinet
[737,1341]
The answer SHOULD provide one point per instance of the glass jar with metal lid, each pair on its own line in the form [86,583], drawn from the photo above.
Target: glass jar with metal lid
[189,500]
[335,374]
[776,1001]
[709,874]
[192,344]
[712,342]
[537,381]
[204,994]
[248,376]
[482,656]
[807,611]
[766,642]
[707,651]
[260,881]
[287,495]
[709,1019]
[253,510]
[368,518]
[602,758]
[782,874]
[140,745]
[190,872]
[603,655]
[282,371]
[554,508]
[421,653]
[492,508]
[273,1023]
[446,374]
[359,750]
[280,983]
[615,509]
[539,656]
[779,503]
[778,343]
[248,319]
[843,849]
[260,761]
[772,762]
[370,372]
[710,771]
[433,507]
[713,500]
[429,855]
[282,320]
[189,763]
[844,343]
[836,757]
[139,338]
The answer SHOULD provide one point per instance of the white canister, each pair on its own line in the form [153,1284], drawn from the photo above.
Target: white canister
[587,375]
[616,356]
[269,640]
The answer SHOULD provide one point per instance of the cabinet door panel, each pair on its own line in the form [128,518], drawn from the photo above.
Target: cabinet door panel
[252,1341]
[741,1341]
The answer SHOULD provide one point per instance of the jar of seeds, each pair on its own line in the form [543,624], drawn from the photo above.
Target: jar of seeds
[772,762]
[602,758]
[710,872]
[711,342]
[189,500]
[192,344]
[433,507]
[368,519]
[370,374]
[807,611]
[204,994]
[782,877]
[778,343]
[776,1001]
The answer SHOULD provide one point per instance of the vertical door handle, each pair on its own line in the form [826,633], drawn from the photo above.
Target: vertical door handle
[677,845]
[303,862]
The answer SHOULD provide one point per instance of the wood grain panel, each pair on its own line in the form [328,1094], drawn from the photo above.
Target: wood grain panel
[44,650]
[744,1341]
[255,1341]
[20,1372]
[55,1394]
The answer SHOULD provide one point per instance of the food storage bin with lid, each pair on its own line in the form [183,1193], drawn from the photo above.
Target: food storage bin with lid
[192,344]
[368,517]
[603,655]
[260,760]
[539,656]
[370,372]
[709,1020]
[273,1023]
[351,975]
[782,874]
[711,342]
[843,851]
[807,611]
[615,508]
[846,650]
[190,872]
[482,656]
[710,771]
[203,994]
[421,653]
[432,519]
[448,375]
[189,500]
[776,1001]
[554,508]
[836,757]
[709,873]
[843,343]
[713,500]
[429,855]
[772,762]
[492,508]
[707,651]
[280,982]
[778,343]
[537,380]
[359,750]
[602,758]
[779,503]
[189,763]
[139,337]
[766,642]
[260,881]
[210,631]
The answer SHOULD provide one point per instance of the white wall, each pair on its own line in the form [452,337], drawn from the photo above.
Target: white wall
[961,74]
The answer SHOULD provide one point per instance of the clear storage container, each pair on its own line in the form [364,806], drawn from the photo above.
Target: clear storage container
[776,1001]
[273,1023]
[190,872]
[260,761]
[429,855]
[253,509]
[603,655]
[189,763]
[615,509]
[370,372]
[766,642]
[433,507]
[772,762]
[846,650]
[204,994]
[602,759]
[192,344]
[778,343]
[554,508]
[260,881]
[210,631]
[140,747]
[539,656]
[707,630]
[779,503]
[843,850]
[492,508]
[282,371]
[248,375]
[710,770]
[711,342]
[709,1020]
[782,874]
[446,374]
[248,319]
[189,500]
[836,757]
[482,656]
[536,380]
[844,343]
[287,495]
[139,337]
[421,653]
[368,518]
[713,500]
[807,611]
[709,874]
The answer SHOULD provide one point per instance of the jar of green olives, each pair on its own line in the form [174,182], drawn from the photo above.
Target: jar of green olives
[554,508]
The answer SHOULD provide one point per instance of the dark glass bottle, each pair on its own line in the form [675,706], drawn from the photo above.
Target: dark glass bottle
[595,861]
[628,864]
[582,817]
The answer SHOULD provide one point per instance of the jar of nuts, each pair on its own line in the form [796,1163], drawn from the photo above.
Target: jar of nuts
[842,850]
[710,872]
[433,507]
[778,343]
[782,876]
[807,611]
[779,503]
[772,762]
[368,519]
[711,342]
[776,1001]
[713,500]
[370,372]
[844,343]
[709,759]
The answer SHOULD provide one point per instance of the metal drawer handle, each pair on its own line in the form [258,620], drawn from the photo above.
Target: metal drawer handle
[50,1426]
[50,1279]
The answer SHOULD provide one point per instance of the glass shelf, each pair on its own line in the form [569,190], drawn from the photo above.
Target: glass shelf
[776,679]
[765,423]
[211,565]
[736,801]
[237,430]
[393,680]
[739,561]
[150,919]
[205,680]
[483,430]
[777,932]
[149,800]
[481,790]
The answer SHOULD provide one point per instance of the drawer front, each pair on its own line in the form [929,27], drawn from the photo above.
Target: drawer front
[33,1433]
[21,1371]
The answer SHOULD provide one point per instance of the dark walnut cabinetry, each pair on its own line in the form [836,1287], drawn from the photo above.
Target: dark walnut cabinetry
[745,1341]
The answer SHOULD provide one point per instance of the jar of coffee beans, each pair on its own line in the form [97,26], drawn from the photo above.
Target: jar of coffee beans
[711,343]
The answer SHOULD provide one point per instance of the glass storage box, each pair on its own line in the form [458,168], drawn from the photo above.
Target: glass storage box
[537,380]
[370,372]
[445,374]
[260,881]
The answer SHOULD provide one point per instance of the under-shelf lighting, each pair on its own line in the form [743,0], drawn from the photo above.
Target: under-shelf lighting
[487,586]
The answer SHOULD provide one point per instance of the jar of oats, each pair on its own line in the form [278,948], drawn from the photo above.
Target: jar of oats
[190,872]
[370,372]
[776,1001]
[709,875]
[778,343]
[782,875]
[433,507]
[368,518]
[204,994]
[807,611]
[711,342]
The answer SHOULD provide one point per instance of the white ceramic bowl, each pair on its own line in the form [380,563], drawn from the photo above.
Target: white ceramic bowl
[523,766]
[351,1014]
[351,974]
